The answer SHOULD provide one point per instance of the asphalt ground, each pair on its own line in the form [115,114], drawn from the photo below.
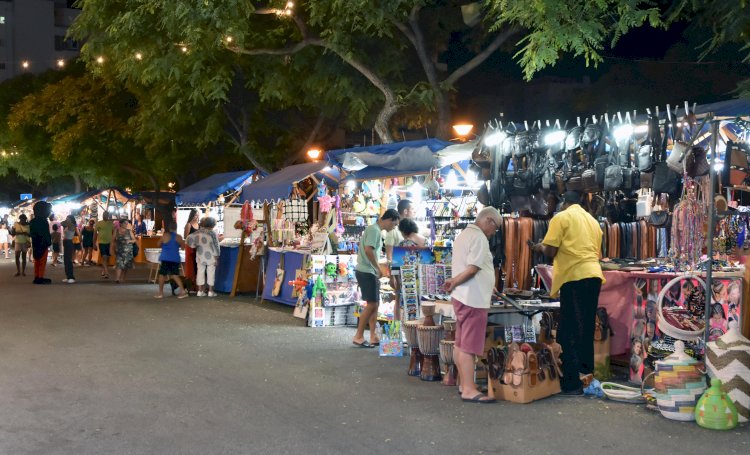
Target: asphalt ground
[100,368]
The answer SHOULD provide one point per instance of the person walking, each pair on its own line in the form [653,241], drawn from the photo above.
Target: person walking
[123,244]
[56,237]
[169,259]
[207,252]
[103,232]
[40,240]
[471,288]
[21,242]
[4,239]
[193,224]
[574,241]
[368,275]
[70,230]
[87,240]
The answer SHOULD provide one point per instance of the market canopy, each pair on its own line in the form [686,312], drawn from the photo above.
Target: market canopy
[279,184]
[390,160]
[209,189]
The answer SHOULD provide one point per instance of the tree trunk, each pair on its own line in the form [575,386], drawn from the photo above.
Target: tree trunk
[445,116]
[382,124]
[77,183]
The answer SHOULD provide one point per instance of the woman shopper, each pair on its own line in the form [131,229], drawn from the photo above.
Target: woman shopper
[123,242]
[4,237]
[169,267]
[70,230]
[87,236]
[21,242]
[206,245]
[192,225]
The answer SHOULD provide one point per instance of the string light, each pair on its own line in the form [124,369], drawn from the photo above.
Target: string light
[228,39]
[100,60]
[25,64]
[138,56]
[60,63]
[184,49]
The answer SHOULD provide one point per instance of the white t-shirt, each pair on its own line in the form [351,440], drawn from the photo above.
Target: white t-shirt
[4,234]
[471,247]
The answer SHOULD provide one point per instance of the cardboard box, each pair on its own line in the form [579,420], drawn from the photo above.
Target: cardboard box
[523,393]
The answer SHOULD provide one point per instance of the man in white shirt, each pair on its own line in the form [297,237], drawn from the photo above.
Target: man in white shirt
[471,288]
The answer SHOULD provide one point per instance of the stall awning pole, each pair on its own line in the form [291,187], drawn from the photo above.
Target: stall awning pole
[710,233]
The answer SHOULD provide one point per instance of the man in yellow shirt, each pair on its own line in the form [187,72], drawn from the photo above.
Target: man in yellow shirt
[574,240]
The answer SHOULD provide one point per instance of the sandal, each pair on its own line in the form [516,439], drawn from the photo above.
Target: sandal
[496,363]
[508,369]
[555,350]
[519,367]
[532,363]
[159,296]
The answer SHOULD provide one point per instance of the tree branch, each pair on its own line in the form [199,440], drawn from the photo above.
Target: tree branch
[481,57]
[310,139]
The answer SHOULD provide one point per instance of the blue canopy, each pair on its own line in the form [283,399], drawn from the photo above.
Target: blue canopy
[209,189]
[389,160]
[279,184]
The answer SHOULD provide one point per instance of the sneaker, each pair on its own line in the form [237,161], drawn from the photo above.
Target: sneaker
[200,294]
[65,280]
[71,281]
[211,294]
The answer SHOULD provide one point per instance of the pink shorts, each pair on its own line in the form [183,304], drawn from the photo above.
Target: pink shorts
[471,327]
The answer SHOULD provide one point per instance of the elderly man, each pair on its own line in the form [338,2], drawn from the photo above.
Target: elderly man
[471,291]
[574,239]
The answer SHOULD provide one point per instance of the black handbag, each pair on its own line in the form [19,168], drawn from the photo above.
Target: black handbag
[613,173]
[588,181]
[645,157]
[696,162]
[665,180]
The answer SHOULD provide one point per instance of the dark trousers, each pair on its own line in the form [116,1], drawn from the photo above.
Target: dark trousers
[69,250]
[575,333]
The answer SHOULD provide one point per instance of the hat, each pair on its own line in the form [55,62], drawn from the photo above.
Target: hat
[572,197]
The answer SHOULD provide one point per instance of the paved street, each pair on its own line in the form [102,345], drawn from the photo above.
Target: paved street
[101,368]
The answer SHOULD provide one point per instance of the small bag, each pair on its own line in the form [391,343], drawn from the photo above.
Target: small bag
[613,177]
[696,163]
[631,179]
[643,158]
[600,167]
[588,181]
[658,218]
[643,206]
[665,179]
[676,159]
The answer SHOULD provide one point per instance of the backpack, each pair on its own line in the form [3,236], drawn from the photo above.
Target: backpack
[602,329]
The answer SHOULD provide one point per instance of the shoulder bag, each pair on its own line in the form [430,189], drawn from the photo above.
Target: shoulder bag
[613,173]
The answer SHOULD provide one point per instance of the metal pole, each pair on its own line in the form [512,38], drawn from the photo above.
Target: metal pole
[711,224]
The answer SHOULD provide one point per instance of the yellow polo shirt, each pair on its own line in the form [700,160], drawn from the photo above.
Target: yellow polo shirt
[578,238]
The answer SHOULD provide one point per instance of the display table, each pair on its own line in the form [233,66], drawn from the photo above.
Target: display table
[630,297]
[249,280]
[293,260]
[144,242]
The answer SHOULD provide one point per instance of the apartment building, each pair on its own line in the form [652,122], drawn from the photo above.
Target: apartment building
[32,36]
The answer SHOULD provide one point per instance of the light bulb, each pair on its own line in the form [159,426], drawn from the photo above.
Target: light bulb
[555,137]
[623,132]
[494,138]
[138,56]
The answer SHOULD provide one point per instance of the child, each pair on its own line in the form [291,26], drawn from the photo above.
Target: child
[170,243]
[207,252]
[56,243]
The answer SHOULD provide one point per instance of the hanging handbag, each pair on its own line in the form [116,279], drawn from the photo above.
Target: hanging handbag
[665,179]
[613,173]
[658,218]
[645,156]
[696,162]
[676,158]
[646,180]
[588,181]
[643,206]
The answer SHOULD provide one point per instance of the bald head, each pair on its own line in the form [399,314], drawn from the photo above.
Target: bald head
[488,220]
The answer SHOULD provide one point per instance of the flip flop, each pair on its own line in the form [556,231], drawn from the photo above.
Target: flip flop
[157,296]
[375,344]
[363,344]
[478,399]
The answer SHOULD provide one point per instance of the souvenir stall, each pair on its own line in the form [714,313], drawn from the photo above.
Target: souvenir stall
[215,196]
[281,204]
[375,178]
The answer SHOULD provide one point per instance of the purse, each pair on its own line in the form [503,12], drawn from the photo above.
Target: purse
[643,206]
[675,160]
[665,179]
[658,218]
[613,173]
[647,180]
[588,181]
[696,162]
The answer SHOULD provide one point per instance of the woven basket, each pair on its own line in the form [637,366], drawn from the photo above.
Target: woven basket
[664,325]
[728,359]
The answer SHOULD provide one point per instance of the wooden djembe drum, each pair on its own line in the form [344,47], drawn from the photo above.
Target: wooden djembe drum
[416,359]
[446,357]
[428,339]
[446,352]
[449,325]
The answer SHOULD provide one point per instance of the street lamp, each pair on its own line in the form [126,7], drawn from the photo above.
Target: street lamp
[314,154]
[463,129]
[25,64]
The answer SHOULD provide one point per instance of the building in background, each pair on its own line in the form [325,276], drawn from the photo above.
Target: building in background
[32,36]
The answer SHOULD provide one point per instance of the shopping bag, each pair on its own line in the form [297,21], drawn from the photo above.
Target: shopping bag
[391,343]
